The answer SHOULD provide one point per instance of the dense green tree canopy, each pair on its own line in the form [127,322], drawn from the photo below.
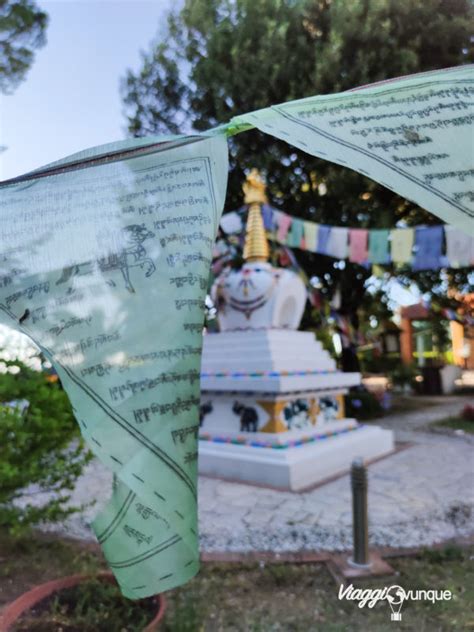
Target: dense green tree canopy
[22,31]
[220,58]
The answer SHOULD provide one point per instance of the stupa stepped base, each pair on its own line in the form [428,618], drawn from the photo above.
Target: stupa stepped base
[272,411]
[293,460]
[269,360]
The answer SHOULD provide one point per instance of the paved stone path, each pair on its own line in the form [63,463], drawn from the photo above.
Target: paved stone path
[418,496]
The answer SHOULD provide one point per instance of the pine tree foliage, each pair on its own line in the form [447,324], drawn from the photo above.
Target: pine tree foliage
[220,58]
[22,31]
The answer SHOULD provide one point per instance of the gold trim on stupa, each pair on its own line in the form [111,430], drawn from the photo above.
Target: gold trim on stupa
[274,410]
[256,244]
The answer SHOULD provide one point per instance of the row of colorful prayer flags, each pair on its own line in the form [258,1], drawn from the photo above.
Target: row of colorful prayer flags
[422,247]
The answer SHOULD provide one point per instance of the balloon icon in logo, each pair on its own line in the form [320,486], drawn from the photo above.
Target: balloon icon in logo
[395,597]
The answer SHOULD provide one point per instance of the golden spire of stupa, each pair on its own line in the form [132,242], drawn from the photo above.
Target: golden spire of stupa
[256,244]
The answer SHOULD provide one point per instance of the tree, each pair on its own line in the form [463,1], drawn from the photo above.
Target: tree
[225,57]
[22,31]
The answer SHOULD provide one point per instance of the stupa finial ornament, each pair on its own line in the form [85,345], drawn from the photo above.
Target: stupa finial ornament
[256,244]
[254,188]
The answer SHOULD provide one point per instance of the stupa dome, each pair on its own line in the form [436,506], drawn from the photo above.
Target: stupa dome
[258,296]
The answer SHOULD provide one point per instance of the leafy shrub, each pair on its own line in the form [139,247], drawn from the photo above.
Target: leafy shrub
[373,361]
[362,404]
[40,445]
[403,374]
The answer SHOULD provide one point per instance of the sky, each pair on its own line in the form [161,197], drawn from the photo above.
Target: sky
[70,99]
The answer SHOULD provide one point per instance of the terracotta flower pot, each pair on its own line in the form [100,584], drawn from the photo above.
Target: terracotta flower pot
[12,613]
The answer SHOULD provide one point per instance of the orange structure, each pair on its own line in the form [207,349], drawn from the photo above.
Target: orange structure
[462,336]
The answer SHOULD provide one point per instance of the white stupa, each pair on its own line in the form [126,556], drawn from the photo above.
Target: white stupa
[272,407]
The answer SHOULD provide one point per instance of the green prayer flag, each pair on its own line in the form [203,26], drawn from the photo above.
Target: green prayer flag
[105,263]
[379,246]
[295,234]
[413,135]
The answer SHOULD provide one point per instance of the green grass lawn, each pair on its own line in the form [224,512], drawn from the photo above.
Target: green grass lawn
[266,598]
[456,423]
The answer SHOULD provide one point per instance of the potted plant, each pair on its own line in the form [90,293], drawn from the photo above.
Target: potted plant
[81,603]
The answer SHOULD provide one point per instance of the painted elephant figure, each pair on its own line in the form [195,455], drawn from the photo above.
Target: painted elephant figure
[248,417]
[204,409]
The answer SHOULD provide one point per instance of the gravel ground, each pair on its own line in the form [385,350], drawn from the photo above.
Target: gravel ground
[419,496]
